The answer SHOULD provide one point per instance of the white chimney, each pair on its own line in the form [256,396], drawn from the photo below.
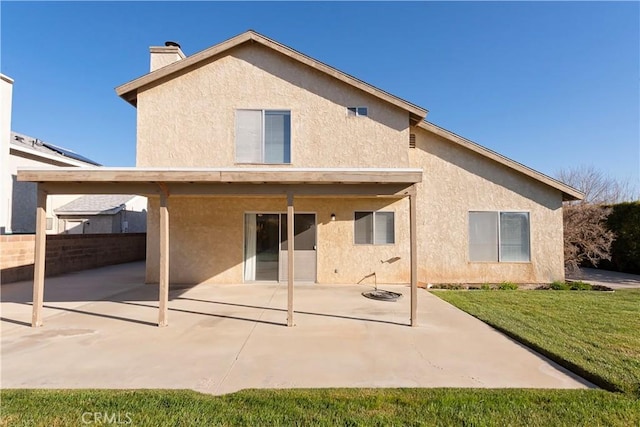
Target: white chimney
[164,55]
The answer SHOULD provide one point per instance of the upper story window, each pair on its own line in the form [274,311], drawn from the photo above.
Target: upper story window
[499,237]
[357,111]
[263,136]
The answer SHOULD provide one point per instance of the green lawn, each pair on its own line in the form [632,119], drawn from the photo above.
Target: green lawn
[329,407]
[595,334]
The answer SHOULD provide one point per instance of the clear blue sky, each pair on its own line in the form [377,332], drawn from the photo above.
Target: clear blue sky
[546,84]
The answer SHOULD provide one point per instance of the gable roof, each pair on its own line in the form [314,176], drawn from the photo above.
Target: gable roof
[568,192]
[36,147]
[95,204]
[129,91]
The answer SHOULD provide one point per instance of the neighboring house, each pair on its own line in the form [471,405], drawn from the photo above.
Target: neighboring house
[232,138]
[97,213]
[18,199]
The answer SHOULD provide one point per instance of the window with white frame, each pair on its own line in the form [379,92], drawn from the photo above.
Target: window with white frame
[357,111]
[374,228]
[499,237]
[263,136]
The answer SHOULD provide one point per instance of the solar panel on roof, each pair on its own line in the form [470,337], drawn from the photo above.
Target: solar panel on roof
[70,154]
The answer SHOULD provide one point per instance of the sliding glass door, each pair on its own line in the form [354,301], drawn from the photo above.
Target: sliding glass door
[266,247]
[262,243]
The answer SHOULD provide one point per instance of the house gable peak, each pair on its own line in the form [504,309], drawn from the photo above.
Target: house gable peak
[129,91]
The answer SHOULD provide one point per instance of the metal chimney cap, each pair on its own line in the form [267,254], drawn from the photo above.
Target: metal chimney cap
[170,43]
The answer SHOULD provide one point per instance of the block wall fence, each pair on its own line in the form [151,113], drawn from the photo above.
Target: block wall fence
[68,252]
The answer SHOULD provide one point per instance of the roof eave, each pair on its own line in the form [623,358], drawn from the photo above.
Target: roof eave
[88,213]
[54,158]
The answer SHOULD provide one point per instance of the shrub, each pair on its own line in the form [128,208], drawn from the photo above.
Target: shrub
[485,287]
[559,286]
[601,288]
[624,221]
[507,286]
[571,286]
[579,286]
[450,286]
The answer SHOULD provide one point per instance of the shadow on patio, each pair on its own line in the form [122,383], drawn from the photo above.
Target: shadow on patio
[85,293]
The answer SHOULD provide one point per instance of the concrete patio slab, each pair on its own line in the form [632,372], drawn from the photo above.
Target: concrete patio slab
[100,332]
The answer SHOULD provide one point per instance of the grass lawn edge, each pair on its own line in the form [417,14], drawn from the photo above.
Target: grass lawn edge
[574,368]
[323,407]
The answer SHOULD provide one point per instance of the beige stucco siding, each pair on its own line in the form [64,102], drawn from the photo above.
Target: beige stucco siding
[189,121]
[207,239]
[457,181]
[6,182]
[207,232]
[22,209]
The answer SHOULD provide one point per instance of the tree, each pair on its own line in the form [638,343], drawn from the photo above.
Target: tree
[598,188]
[586,235]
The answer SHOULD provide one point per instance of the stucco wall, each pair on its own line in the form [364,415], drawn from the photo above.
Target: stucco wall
[101,224]
[22,212]
[53,203]
[6,99]
[92,224]
[207,239]
[135,215]
[189,121]
[207,233]
[457,181]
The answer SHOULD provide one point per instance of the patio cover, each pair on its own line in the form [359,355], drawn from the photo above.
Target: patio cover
[227,182]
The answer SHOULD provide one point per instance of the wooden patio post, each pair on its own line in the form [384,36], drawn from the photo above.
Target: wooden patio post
[164,259]
[414,257]
[290,270]
[39,258]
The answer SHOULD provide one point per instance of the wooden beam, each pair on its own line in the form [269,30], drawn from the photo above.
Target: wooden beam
[290,248]
[164,260]
[40,255]
[101,188]
[321,176]
[227,189]
[414,257]
[306,190]
[234,176]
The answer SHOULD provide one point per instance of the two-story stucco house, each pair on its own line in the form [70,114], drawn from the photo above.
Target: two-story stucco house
[249,145]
